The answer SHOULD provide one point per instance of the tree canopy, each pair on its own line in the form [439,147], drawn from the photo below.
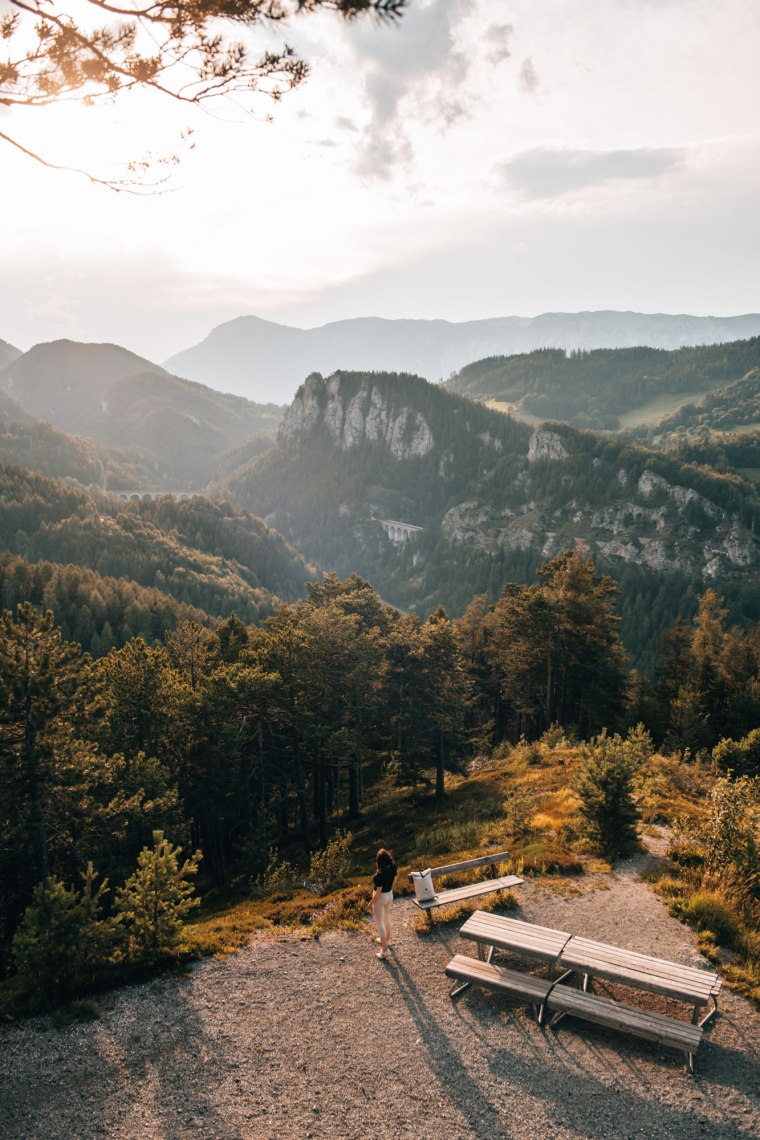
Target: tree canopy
[186,50]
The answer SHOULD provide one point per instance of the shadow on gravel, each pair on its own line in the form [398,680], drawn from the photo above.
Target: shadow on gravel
[464,1095]
[622,1104]
[173,1060]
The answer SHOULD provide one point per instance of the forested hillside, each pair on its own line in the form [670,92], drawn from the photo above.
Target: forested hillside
[201,554]
[727,409]
[591,389]
[241,743]
[494,500]
[152,427]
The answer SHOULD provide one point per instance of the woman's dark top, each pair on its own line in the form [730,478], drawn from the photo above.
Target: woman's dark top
[384,879]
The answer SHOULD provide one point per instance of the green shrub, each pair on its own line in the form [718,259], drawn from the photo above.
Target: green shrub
[279,876]
[331,866]
[741,757]
[604,785]
[730,833]
[519,809]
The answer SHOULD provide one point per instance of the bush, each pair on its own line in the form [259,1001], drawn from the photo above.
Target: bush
[710,911]
[331,866]
[742,757]
[604,786]
[519,809]
[279,876]
[730,833]
[61,939]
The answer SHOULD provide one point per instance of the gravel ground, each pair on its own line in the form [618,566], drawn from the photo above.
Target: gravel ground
[294,1038]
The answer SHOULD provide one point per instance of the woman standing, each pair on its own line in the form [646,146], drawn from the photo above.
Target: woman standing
[382,898]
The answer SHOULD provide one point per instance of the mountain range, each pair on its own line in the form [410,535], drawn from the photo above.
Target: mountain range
[493,499]
[266,361]
[150,429]
[362,459]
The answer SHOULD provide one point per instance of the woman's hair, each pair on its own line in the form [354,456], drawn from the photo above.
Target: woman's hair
[385,860]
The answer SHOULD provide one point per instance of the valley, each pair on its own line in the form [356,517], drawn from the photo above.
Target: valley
[265,636]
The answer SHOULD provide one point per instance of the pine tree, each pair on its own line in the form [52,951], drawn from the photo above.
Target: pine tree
[39,677]
[605,788]
[61,938]
[155,901]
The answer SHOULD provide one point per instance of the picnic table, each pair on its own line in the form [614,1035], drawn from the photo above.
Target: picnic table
[585,959]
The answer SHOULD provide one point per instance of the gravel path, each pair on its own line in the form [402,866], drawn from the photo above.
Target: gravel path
[304,1039]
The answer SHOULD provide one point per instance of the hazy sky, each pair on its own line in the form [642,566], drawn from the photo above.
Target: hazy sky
[483,158]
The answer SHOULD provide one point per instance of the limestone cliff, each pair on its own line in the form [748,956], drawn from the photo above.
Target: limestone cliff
[352,418]
[644,518]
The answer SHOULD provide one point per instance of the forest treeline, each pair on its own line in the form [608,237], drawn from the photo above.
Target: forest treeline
[233,740]
[592,388]
[198,553]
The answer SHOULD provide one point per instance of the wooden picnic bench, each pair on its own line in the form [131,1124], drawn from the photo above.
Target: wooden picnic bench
[470,890]
[563,1000]
[683,983]
[586,960]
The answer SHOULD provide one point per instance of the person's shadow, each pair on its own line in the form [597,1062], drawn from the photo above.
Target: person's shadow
[454,1080]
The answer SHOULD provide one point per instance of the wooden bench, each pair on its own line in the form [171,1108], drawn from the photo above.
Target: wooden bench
[525,987]
[471,890]
[664,1030]
[544,994]
[655,975]
[539,943]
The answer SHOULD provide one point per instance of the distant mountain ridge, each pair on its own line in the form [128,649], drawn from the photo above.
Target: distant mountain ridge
[176,429]
[593,388]
[8,353]
[266,361]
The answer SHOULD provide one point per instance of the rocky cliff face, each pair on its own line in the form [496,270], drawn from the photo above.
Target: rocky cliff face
[367,415]
[646,520]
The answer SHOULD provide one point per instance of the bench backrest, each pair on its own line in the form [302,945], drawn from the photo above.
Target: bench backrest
[469,864]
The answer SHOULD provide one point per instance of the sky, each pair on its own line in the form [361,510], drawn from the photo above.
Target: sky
[481,158]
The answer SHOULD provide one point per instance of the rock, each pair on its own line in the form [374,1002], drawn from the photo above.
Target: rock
[546,445]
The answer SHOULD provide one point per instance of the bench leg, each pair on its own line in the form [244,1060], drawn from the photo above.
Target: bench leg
[457,988]
[710,1013]
[485,953]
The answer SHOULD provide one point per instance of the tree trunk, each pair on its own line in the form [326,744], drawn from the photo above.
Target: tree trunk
[440,790]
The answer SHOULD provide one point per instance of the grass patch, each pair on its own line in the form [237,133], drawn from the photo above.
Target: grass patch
[719,922]
[710,910]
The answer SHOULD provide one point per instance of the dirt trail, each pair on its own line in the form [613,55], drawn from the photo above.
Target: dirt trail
[298,1038]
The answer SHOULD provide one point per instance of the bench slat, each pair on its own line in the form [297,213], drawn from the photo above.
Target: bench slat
[469,864]
[540,942]
[472,890]
[629,1019]
[498,978]
[639,970]
[634,957]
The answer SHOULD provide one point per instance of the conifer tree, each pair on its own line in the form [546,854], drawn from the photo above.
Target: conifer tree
[38,685]
[605,788]
[62,938]
[155,901]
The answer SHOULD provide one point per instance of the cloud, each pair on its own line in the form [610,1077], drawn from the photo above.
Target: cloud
[418,73]
[528,76]
[545,172]
[497,37]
